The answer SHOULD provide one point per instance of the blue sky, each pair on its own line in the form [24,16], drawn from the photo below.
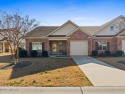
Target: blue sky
[56,12]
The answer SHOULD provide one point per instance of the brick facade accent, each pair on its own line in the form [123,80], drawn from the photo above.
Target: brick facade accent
[115,42]
[119,42]
[112,42]
[45,41]
[77,35]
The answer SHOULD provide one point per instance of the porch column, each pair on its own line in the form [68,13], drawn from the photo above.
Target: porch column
[3,47]
[58,47]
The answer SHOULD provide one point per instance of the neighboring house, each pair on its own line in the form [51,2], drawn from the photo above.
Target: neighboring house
[4,46]
[71,39]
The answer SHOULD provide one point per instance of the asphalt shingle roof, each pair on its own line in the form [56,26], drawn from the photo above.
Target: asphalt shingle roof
[90,29]
[42,31]
[45,30]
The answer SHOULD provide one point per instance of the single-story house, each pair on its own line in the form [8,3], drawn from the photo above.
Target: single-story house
[71,39]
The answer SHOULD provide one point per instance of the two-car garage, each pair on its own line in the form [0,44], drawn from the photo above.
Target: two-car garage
[79,47]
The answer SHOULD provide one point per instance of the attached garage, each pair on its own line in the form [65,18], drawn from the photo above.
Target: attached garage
[78,47]
[123,45]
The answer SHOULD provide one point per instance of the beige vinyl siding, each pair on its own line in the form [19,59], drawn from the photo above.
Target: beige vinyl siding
[119,24]
[66,29]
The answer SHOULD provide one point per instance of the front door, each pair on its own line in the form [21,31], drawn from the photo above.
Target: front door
[61,48]
[54,48]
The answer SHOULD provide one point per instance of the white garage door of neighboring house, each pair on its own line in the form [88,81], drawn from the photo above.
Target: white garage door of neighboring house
[78,47]
[123,45]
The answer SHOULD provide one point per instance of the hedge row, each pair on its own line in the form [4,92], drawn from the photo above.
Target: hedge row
[33,53]
[108,53]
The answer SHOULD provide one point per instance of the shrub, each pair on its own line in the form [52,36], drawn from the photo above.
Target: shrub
[102,55]
[120,52]
[22,53]
[20,49]
[107,53]
[94,53]
[115,55]
[45,53]
[33,53]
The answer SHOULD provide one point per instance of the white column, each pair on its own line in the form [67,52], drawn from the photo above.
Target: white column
[3,47]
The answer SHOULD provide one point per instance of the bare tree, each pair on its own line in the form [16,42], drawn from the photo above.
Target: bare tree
[13,28]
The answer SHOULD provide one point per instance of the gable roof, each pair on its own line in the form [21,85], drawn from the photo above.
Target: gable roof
[45,31]
[41,31]
[121,33]
[108,23]
[69,21]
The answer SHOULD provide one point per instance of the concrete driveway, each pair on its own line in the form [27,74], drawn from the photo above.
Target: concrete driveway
[100,73]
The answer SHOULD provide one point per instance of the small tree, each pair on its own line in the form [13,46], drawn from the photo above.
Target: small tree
[13,29]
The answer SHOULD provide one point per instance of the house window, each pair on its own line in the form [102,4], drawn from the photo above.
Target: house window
[37,46]
[60,44]
[111,28]
[102,45]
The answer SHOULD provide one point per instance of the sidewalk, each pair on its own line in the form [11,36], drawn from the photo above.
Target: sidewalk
[62,90]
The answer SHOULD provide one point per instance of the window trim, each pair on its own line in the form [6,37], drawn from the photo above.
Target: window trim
[102,46]
[38,44]
[112,28]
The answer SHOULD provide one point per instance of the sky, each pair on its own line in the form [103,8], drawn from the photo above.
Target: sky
[57,12]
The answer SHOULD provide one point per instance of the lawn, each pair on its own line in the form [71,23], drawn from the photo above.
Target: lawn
[114,61]
[43,72]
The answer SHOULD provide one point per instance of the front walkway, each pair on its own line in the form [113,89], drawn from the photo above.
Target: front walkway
[100,73]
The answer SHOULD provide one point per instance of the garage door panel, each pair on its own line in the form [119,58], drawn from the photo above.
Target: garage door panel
[79,48]
[123,45]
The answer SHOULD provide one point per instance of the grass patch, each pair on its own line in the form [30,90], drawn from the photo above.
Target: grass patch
[44,72]
[48,80]
[57,77]
[33,82]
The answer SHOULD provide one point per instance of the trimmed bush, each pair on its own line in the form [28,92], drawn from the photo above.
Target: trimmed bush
[107,53]
[94,53]
[22,53]
[33,53]
[20,49]
[45,53]
[115,55]
[120,52]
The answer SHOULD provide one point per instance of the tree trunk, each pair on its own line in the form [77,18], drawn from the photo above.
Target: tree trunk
[16,56]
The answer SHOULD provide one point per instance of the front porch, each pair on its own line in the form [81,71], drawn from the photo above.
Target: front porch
[4,47]
[58,47]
